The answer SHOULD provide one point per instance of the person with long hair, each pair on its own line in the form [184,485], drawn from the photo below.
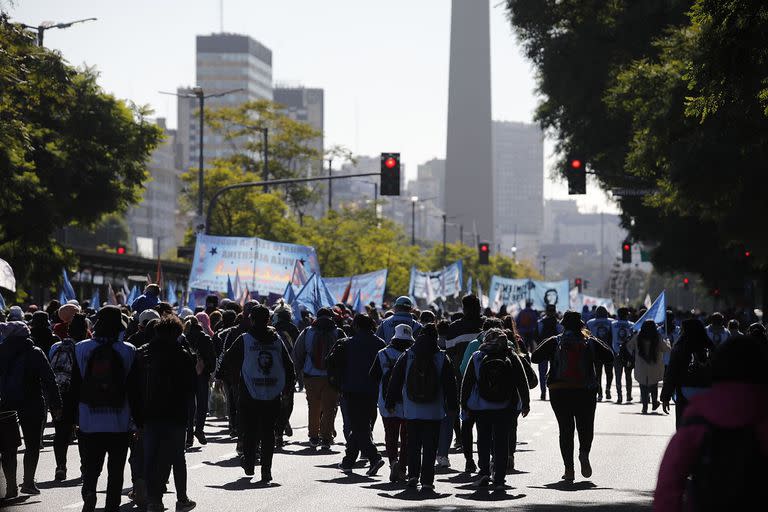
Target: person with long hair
[649,349]
[690,370]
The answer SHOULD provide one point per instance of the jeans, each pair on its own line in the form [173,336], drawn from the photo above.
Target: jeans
[286,409]
[543,369]
[359,406]
[620,368]
[163,449]
[257,426]
[493,435]
[198,409]
[231,392]
[651,392]
[446,435]
[422,449]
[94,447]
[608,377]
[574,410]
[32,421]
[394,429]
[322,400]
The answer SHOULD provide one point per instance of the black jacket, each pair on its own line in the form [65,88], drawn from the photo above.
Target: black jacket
[201,346]
[354,357]
[677,375]
[27,369]
[176,369]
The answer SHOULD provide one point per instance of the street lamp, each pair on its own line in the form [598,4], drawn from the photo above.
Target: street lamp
[414,200]
[197,92]
[42,27]
[514,253]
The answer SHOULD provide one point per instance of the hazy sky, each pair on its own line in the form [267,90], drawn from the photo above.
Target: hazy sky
[383,65]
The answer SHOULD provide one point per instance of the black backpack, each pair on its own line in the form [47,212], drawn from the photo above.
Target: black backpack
[165,378]
[495,384]
[730,472]
[334,363]
[104,380]
[62,364]
[423,380]
[699,368]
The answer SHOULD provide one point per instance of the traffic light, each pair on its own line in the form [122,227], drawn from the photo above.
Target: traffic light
[483,253]
[576,172]
[686,283]
[626,252]
[578,283]
[390,174]
[747,253]
[586,284]
[120,250]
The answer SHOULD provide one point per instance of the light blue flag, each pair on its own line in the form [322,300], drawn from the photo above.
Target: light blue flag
[230,290]
[289,295]
[325,296]
[96,299]
[2,302]
[358,306]
[657,312]
[132,295]
[305,299]
[469,284]
[69,291]
[62,297]
[171,292]
[190,299]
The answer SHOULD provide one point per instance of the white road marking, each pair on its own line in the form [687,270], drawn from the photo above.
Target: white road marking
[73,505]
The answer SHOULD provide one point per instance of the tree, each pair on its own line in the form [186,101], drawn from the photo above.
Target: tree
[291,153]
[69,153]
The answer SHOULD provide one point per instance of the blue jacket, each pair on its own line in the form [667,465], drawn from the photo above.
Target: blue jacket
[387,328]
[143,302]
[360,351]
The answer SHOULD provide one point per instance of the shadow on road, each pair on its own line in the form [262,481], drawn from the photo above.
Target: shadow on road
[349,478]
[571,486]
[53,484]
[243,484]
[414,495]
[485,495]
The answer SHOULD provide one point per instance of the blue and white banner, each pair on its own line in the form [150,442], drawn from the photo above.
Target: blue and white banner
[447,282]
[542,293]
[261,265]
[371,287]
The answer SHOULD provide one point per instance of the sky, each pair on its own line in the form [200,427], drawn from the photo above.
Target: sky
[383,65]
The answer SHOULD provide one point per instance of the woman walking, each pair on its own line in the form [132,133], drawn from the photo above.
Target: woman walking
[649,349]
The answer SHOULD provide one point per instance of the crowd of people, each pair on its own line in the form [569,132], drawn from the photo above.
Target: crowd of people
[133,384]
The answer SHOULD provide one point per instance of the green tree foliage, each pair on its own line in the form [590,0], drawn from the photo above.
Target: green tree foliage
[69,152]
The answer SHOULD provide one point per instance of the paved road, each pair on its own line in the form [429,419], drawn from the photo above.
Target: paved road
[626,454]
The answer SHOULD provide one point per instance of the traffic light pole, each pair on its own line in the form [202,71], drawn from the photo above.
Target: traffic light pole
[253,184]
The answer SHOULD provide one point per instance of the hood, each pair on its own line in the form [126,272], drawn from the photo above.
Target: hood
[731,404]
[401,345]
[14,330]
[13,345]
[324,323]
[426,341]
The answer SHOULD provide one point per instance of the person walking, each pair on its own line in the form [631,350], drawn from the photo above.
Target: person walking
[394,421]
[309,355]
[621,333]
[260,364]
[649,349]
[572,385]
[201,347]
[168,371]
[403,307]
[548,326]
[26,378]
[423,377]
[601,328]
[493,385]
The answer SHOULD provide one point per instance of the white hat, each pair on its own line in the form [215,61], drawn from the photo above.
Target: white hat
[403,332]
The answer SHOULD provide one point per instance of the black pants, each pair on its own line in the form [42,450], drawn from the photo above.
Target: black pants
[62,437]
[164,448]
[574,409]
[493,435]
[627,372]
[649,393]
[467,438]
[257,426]
[198,409]
[543,369]
[423,436]
[286,409]
[93,449]
[231,392]
[608,377]
[32,421]
[514,417]
[360,407]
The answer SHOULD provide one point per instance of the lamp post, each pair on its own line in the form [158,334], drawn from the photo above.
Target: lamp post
[41,28]
[197,92]
[414,200]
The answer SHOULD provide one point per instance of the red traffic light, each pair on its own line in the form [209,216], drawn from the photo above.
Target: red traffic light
[747,253]
[627,247]
[686,280]
[577,282]
[576,163]
[484,247]
[390,162]
[120,250]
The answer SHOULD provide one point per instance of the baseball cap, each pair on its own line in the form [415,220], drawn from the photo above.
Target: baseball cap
[147,315]
[404,301]
[403,332]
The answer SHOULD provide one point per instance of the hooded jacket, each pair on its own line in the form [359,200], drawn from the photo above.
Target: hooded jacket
[303,347]
[547,350]
[42,334]
[27,370]
[358,354]
[172,359]
[376,372]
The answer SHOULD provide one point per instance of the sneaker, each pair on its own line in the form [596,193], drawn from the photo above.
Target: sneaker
[314,442]
[185,504]
[200,436]
[375,467]
[586,467]
[325,444]
[443,462]
[346,468]
[288,430]
[60,475]
[89,502]
[656,406]
[12,491]
[470,467]
[645,409]
[394,471]
[569,475]
[599,397]
[483,481]
[29,488]
[457,445]
[607,394]
[619,399]
[629,398]
[499,486]
[413,482]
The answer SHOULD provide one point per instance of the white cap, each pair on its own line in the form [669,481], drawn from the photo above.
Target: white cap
[403,332]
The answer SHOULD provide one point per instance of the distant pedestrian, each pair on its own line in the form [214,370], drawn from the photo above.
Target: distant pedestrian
[649,349]
[623,362]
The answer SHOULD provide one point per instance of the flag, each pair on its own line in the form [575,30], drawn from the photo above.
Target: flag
[575,299]
[430,291]
[237,285]
[132,296]
[469,284]
[190,299]
[96,299]
[289,295]
[245,297]
[7,279]
[657,312]
[149,278]
[325,296]
[68,291]
[62,297]
[2,302]
[111,299]
[299,276]
[479,290]
[647,302]
[171,293]
[126,291]
[230,290]
[159,274]
[347,291]
[358,306]
[496,306]
[303,300]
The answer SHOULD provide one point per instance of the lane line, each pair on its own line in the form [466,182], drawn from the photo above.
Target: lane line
[73,505]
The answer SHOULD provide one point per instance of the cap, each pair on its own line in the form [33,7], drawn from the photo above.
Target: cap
[67,312]
[147,315]
[404,301]
[403,332]
[110,316]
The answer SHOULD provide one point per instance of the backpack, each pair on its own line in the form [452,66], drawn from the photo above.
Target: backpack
[495,383]
[700,366]
[164,380]
[322,342]
[548,327]
[423,380]
[12,379]
[625,357]
[62,364]
[334,363]
[104,379]
[573,362]
[387,374]
[730,472]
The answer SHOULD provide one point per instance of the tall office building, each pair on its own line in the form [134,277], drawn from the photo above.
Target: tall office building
[430,182]
[468,165]
[306,105]
[225,62]
[518,166]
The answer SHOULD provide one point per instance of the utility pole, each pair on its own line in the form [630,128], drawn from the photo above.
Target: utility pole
[265,133]
[544,266]
[445,254]
[41,28]
[330,184]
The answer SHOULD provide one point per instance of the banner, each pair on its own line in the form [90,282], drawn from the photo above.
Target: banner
[541,293]
[578,301]
[261,265]
[371,286]
[7,279]
[442,283]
